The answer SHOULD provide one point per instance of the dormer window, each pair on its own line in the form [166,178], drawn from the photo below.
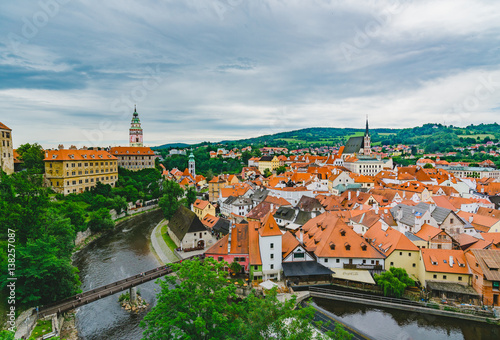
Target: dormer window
[363,246]
[342,232]
[332,246]
[347,246]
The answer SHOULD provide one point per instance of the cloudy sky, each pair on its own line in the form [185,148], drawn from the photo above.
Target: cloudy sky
[207,70]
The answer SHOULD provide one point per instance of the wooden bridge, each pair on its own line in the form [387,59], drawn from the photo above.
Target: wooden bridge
[104,291]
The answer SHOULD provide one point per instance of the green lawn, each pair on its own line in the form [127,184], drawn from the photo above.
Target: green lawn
[42,327]
[356,134]
[480,135]
[170,243]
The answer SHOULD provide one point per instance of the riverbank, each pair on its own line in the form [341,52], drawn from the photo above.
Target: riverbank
[159,247]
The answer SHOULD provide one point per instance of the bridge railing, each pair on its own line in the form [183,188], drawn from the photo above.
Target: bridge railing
[365,296]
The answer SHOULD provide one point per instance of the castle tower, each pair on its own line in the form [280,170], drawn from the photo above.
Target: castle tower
[135,132]
[367,150]
[191,165]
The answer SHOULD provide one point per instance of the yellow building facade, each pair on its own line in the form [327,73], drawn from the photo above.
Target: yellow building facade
[202,208]
[406,259]
[74,171]
[268,162]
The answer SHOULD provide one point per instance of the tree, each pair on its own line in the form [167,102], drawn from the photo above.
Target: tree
[169,202]
[32,156]
[75,213]
[100,220]
[190,196]
[119,204]
[44,276]
[194,305]
[428,166]
[200,304]
[210,175]
[394,281]
[280,170]
[235,267]
[267,173]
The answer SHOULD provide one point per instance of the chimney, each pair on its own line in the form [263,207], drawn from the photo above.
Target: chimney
[301,236]
[60,147]
[357,193]
[451,261]
[376,208]
[349,195]
[471,218]
[272,207]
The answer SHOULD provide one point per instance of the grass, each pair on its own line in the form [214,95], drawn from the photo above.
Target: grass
[480,135]
[170,243]
[42,327]
[356,134]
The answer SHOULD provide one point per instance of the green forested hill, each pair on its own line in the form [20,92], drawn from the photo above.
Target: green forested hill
[432,137]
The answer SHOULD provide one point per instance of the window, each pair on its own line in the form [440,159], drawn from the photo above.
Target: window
[409,254]
[298,255]
[255,267]
[272,256]
[392,263]
[220,258]
[451,220]
[439,246]
[338,261]
[400,253]
[434,276]
[459,278]
[326,260]
[272,266]
[414,265]
[272,245]
[444,277]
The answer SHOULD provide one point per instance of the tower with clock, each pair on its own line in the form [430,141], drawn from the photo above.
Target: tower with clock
[135,132]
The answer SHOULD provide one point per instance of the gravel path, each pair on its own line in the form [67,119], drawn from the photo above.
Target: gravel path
[160,247]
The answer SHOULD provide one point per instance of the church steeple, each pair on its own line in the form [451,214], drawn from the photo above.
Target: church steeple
[366,140]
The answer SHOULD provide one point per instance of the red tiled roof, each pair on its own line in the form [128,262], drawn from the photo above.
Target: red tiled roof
[200,204]
[269,227]
[131,151]
[77,155]
[441,258]
[4,127]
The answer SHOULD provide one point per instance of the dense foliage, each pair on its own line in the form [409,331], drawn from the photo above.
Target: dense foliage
[200,303]
[32,156]
[394,282]
[170,201]
[44,237]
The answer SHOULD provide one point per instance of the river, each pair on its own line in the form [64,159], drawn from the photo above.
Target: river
[117,255]
[391,324]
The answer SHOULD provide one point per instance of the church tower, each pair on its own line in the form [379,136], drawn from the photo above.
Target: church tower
[135,132]
[191,165]
[367,149]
